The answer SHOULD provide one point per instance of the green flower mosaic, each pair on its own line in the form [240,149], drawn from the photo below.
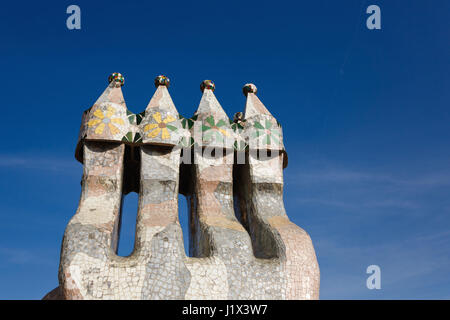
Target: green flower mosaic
[187,123]
[236,126]
[267,132]
[130,137]
[135,118]
[210,128]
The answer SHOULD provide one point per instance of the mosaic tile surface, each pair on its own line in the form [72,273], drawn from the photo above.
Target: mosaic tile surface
[242,243]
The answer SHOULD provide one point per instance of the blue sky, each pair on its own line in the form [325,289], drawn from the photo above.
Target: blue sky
[365,115]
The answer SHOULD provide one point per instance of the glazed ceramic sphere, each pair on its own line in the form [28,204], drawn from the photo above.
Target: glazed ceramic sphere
[249,87]
[117,78]
[162,80]
[238,116]
[207,84]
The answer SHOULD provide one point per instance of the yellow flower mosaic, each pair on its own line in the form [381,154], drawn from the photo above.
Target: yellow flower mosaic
[105,119]
[160,126]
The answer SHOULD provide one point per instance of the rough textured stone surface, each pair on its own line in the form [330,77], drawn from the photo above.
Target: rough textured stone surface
[242,243]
